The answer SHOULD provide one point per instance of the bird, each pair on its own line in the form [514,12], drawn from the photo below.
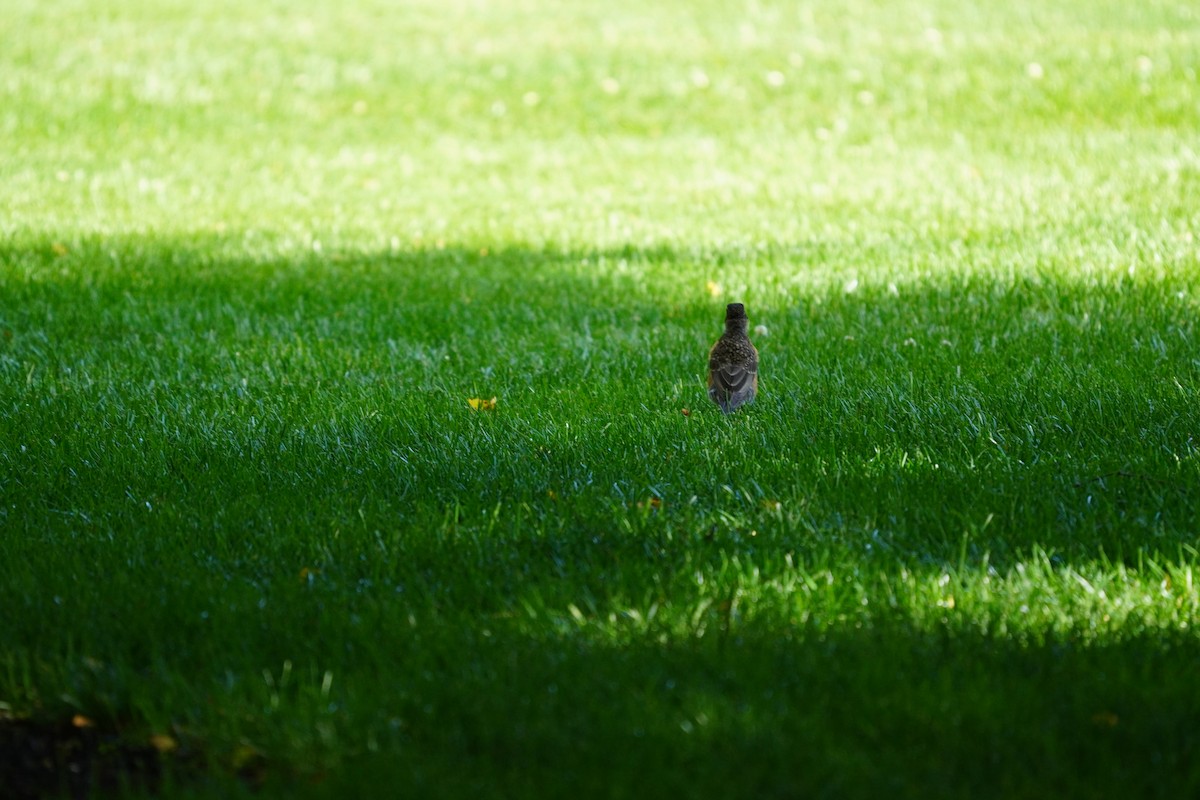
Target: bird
[733,363]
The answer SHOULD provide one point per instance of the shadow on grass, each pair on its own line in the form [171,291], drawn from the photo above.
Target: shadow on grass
[260,415]
[204,382]
[894,712]
[885,711]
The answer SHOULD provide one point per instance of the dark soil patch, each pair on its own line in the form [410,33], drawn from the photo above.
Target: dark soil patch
[72,758]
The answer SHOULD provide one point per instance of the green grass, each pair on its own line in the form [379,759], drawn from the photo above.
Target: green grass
[256,257]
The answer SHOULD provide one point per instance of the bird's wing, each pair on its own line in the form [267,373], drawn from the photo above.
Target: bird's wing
[730,385]
[734,378]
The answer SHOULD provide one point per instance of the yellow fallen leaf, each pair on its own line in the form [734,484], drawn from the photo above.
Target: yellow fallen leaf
[80,721]
[163,743]
[59,249]
[479,404]
[714,288]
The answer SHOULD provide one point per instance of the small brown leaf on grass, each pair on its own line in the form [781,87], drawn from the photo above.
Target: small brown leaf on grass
[687,413]
[80,721]
[651,503]
[479,404]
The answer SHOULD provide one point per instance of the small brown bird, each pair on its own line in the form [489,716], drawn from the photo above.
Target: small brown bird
[733,362]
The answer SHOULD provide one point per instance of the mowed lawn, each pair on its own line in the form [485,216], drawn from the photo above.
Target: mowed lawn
[264,267]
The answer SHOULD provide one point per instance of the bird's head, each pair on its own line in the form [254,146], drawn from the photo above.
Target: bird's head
[735,319]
